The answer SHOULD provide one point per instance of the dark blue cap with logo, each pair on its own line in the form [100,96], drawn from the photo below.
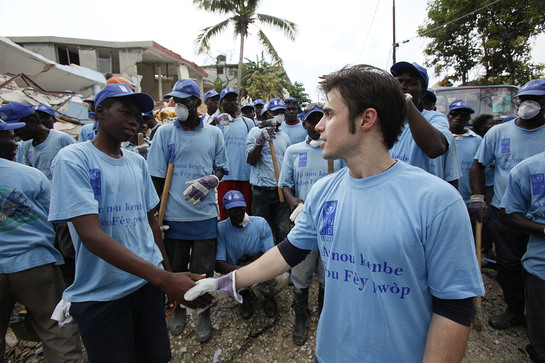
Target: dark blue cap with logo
[184,88]
[117,90]
[414,67]
[226,91]
[461,105]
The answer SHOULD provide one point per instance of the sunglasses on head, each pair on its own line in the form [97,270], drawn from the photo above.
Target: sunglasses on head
[313,105]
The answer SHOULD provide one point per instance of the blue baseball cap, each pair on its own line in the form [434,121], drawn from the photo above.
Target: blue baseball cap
[147,115]
[414,67]
[247,105]
[311,111]
[210,94]
[117,90]
[47,109]
[226,91]
[4,126]
[233,198]
[184,88]
[259,101]
[509,118]
[535,87]
[12,112]
[276,104]
[461,105]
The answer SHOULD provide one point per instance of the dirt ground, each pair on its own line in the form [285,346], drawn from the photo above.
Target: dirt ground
[268,340]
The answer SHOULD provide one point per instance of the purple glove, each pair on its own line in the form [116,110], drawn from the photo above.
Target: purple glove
[266,134]
[199,189]
[225,283]
[476,207]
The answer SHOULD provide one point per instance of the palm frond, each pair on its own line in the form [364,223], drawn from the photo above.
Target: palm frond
[268,46]
[288,27]
[203,39]
[216,6]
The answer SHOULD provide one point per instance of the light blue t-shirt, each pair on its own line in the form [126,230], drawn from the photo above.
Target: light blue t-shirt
[27,237]
[194,154]
[88,132]
[21,151]
[387,245]
[234,243]
[506,145]
[466,145]
[41,156]
[405,149]
[296,132]
[525,194]
[120,191]
[262,174]
[303,165]
[235,134]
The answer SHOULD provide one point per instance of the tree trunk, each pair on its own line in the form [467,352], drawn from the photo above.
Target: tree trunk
[240,60]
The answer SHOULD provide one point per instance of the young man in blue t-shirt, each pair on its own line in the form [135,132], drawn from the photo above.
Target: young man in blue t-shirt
[524,205]
[241,240]
[108,198]
[385,230]
[197,154]
[29,272]
[504,146]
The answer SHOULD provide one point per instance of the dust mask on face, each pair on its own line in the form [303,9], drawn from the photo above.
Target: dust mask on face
[279,119]
[315,143]
[245,221]
[182,112]
[529,109]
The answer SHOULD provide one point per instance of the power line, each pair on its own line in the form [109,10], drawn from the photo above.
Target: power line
[369,30]
[450,22]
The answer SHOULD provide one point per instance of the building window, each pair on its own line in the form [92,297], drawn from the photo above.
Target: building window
[67,56]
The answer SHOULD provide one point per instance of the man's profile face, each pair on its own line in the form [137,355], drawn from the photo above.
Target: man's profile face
[212,104]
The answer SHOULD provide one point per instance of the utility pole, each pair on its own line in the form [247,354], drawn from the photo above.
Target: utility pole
[394,44]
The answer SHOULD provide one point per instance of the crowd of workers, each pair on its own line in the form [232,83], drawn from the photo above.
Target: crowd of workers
[373,190]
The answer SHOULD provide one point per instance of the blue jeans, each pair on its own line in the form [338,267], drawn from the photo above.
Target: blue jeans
[266,204]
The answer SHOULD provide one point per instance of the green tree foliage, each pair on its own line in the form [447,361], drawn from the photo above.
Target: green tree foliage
[297,91]
[242,14]
[498,38]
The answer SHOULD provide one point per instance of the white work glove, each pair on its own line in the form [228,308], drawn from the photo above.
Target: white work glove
[198,189]
[266,134]
[225,283]
[296,214]
[223,119]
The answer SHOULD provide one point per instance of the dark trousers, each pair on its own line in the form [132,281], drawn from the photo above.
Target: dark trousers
[197,256]
[510,247]
[534,288]
[127,330]
[266,204]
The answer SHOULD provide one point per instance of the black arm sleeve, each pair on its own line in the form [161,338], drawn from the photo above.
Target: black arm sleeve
[291,254]
[459,311]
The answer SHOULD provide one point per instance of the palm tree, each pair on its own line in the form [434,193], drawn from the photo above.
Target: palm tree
[242,15]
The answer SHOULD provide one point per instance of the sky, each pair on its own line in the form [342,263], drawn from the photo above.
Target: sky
[330,34]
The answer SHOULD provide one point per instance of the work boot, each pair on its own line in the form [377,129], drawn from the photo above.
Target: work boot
[269,305]
[246,309]
[300,306]
[204,327]
[320,299]
[179,319]
[505,320]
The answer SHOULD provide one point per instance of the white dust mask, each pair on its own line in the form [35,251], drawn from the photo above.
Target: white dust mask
[279,119]
[182,112]
[528,109]
[316,143]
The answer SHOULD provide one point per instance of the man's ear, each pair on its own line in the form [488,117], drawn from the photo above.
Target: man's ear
[368,118]
[198,102]
[99,111]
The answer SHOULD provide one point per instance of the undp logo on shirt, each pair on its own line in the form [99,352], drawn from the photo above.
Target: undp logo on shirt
[329,209]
